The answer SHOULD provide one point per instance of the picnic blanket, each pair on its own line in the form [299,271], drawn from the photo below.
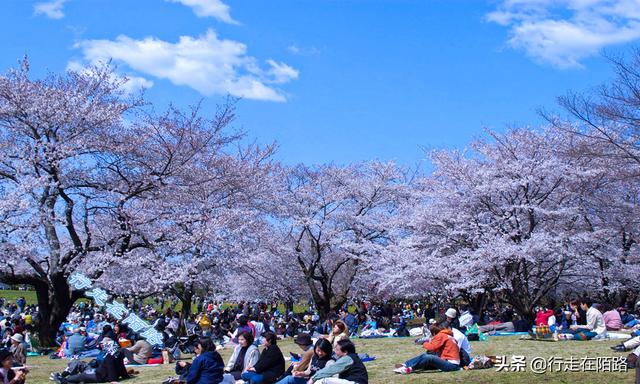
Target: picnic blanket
[506,333]
[141,365]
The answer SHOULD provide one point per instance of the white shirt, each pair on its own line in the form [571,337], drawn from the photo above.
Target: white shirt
[595,321]
[259,328]
[462,341]
[552,320]
[465,319]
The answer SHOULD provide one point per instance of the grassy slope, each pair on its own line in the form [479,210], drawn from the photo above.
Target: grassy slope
[391,351]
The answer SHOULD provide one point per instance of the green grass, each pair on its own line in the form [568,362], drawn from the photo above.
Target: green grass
[391,351]
[11,295]
[30,297]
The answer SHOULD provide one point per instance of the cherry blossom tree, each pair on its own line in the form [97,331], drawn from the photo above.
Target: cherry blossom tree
[86,177]
[603,127]
[220,207]
[508,217]
[333,222]
[262,268]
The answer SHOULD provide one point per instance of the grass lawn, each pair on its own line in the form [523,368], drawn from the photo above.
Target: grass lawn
[12,295]
[391,351]
[30,297]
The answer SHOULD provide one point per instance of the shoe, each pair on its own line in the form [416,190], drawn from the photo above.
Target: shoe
[619,348]
[399,366]
[402,370]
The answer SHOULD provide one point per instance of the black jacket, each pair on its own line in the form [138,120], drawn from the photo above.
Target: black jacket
[356,372]
[270,364]
[111,369]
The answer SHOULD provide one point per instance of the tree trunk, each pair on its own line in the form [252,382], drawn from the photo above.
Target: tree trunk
[477,302]
[323,306]
[54,303]
[288,308]
[185,298]
[338,302]
[525,311]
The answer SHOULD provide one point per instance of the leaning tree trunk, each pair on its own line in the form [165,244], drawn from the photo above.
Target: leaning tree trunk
[54,304]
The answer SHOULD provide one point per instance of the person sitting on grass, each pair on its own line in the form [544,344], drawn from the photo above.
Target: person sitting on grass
[75,343]
[270,365]
[321,356]
[302,340]
[139,352]
[595,326]
[7,374]
[348,367]
[466,318]
[207,367]
[338,332]
[463,346]
[612,319]
[545,316]
[243,326]
[244,355]
[442,353]
[628,319]
[18,350]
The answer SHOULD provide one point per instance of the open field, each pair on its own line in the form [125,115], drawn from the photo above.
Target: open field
[30,297]
[391,351]
[12,295]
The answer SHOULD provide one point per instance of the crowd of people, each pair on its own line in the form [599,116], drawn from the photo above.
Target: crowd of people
[99,348]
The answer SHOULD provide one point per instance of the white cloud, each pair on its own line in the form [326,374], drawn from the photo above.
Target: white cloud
[209,8]
[133,84]
[51,9]
[293,49]
[563,32]
[206,63]
[303,51]
[281,72]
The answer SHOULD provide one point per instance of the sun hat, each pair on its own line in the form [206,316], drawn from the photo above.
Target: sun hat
[452,313]
[18,338]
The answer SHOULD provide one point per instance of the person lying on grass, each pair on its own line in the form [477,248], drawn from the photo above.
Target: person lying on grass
[442,353]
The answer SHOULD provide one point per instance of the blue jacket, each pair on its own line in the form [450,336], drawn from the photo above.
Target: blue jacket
[75,344]
[208,368]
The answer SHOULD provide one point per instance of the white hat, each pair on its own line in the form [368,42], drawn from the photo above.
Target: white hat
[452,313]
[18,338]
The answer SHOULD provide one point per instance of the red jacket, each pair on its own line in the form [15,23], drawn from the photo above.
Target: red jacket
[444,345]
[542,317]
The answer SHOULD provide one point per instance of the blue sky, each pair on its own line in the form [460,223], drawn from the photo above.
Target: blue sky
[338,80]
